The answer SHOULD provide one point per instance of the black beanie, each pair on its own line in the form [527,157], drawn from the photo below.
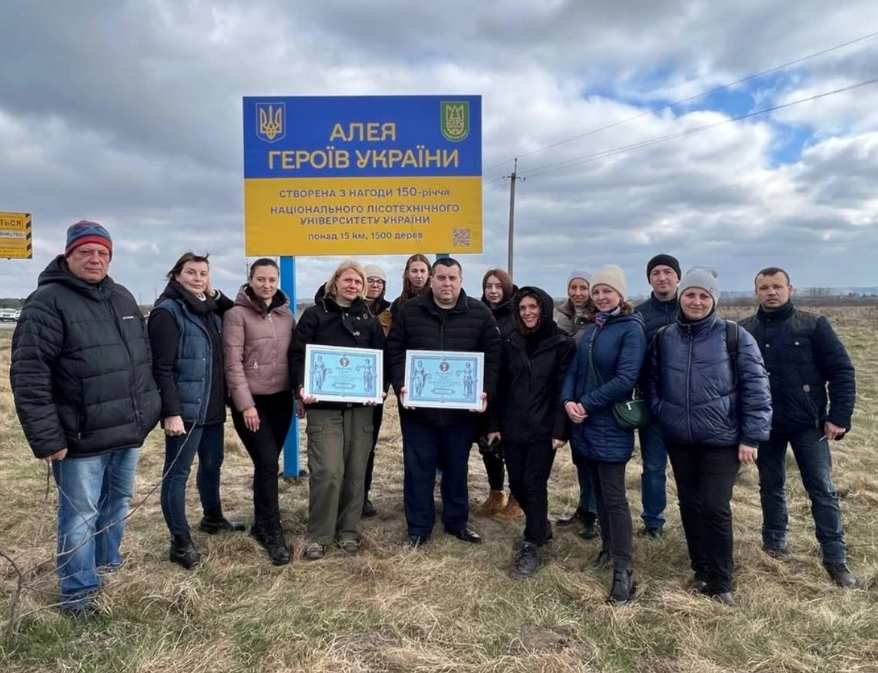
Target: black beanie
[663,260]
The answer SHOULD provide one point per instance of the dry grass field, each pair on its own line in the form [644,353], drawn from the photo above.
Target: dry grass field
[448,606]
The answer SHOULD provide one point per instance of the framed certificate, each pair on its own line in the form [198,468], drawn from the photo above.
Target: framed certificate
[337,374]
[444,380]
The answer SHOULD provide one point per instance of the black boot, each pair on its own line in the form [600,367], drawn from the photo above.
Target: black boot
[271,537]
[214,522]
[183,552]
[602,560]
[623,586]
[589,529]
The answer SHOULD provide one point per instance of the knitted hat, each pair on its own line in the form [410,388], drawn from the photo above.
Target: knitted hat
[375,271]
[613,276]
[663,260]
[84,232]
[700,276]
[578,274]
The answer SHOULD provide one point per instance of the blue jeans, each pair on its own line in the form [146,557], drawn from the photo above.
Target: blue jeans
[93,497]
[587,503]
[811,451]
[207,441]
[653,479]
[426,448]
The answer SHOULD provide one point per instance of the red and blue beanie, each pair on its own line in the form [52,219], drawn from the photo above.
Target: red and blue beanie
[84,232]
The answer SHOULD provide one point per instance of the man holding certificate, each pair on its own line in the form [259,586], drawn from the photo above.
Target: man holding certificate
[439,423]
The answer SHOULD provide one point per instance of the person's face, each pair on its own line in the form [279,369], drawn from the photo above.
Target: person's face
[773,291]
[264,282]
[493,290]
[577,292]
[89,262]
[374,287]
[418,274]
[446,283]
[696,303]
[349,285]
[605,297]
[194,276]
[664,280]
[529,310]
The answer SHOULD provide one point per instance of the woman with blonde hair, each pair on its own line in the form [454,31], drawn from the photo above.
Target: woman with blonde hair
[607,365]
[339,433]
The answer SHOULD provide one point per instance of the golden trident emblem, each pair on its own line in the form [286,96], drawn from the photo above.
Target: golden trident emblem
[271,122]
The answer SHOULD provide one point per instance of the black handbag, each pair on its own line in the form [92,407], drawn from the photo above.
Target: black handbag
[631,414]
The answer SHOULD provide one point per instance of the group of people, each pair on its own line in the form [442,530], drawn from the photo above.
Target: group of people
[91,378]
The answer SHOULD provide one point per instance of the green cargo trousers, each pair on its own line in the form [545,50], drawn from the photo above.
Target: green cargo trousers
[339,442]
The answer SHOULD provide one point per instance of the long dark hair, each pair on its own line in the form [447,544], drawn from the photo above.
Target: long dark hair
[184,258]
[408,291]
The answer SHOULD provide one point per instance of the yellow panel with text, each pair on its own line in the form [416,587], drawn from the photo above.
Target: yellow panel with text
[362,216]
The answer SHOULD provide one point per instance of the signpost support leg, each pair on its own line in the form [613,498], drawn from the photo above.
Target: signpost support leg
[291,445]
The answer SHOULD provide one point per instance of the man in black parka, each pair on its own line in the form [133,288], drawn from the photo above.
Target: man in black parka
[443,319]
[85,395]
[812,394]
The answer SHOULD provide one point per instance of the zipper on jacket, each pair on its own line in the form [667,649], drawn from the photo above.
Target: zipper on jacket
[138,416]
[689,386]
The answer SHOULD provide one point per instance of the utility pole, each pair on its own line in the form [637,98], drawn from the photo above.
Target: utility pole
[512,179]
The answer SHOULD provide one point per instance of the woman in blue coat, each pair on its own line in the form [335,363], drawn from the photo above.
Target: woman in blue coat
[605,371]
[709,391]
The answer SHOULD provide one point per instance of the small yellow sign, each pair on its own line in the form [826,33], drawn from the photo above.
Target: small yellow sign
[15,236]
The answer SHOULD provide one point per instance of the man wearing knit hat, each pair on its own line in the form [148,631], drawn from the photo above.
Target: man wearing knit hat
[813,391]
[85,395]
[663,274]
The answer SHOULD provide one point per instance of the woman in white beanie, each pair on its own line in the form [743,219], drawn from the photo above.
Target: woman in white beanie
[605,371]
[708,389]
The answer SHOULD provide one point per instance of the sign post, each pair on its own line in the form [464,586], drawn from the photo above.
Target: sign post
[360,175]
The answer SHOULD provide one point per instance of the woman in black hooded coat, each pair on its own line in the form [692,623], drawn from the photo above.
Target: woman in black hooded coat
[527,415]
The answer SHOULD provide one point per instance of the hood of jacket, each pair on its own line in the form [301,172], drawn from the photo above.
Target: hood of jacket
[546,326]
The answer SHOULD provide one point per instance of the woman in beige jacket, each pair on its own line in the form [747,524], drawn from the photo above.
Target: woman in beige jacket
[257,333]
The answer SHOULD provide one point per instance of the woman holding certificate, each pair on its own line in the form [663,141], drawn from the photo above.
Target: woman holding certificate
[257,333]
[604,373]
[339,432]
[527,416]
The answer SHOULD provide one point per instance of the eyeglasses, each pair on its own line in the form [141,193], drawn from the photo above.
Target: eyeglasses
[374,281]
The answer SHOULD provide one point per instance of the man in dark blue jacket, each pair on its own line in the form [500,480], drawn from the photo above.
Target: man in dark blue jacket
[813,393]
[663,273]
[443,319]
[84,392]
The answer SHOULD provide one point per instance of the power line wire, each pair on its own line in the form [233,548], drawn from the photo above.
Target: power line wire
[689,99]
[541,170]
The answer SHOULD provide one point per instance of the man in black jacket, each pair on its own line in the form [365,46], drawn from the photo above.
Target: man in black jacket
[84,392]
[663,274]
[444,319]
[812,393]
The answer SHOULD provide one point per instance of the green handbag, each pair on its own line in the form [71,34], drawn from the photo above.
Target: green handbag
[631,414]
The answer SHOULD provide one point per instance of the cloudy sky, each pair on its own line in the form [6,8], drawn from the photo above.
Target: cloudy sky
[130,113]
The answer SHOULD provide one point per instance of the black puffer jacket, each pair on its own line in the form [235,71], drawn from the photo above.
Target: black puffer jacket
[329,324]
[802,354]
[693,392]
[81,367]
[657,313]
[422,325]
[532,366]
[503,314]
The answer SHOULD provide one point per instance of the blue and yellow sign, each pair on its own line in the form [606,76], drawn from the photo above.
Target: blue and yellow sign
[16,239]
[367,175]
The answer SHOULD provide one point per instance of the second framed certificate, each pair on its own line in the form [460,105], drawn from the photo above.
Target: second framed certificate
[337,374]
[444,379]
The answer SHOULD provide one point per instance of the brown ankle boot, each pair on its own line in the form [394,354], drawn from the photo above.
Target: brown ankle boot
[493,504]
[512,512]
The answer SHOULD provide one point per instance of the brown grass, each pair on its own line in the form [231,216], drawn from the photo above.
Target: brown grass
[448,606]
